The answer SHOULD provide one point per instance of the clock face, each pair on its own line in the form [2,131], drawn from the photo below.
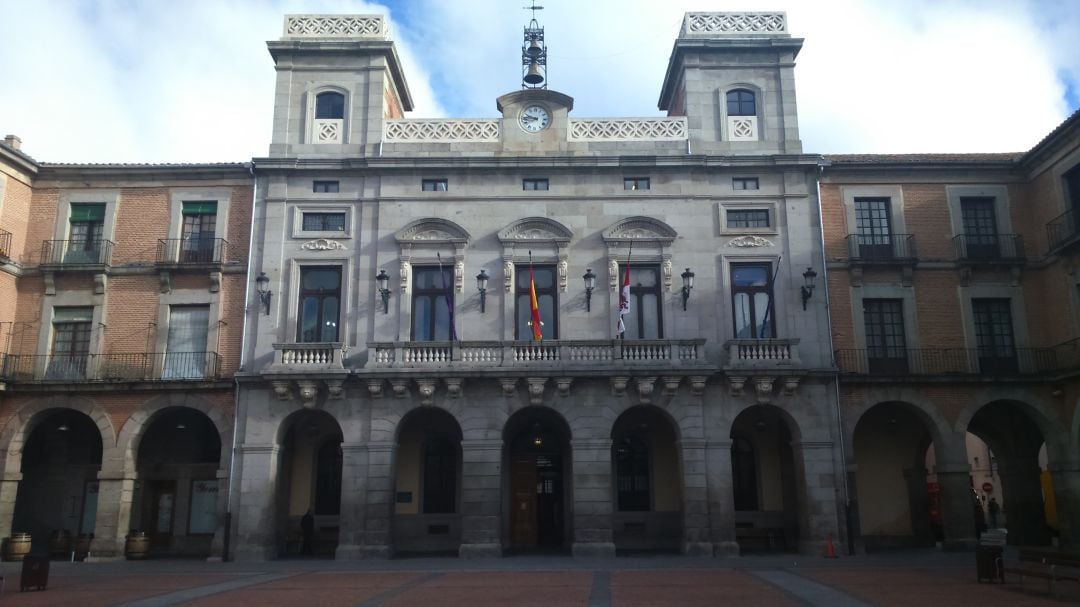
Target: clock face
[534,118]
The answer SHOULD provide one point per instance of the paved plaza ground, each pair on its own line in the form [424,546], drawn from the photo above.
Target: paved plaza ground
[916,579]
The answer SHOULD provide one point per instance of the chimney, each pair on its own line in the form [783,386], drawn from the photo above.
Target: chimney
[12,141]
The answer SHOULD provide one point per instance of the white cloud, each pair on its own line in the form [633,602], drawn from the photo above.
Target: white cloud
[116,81]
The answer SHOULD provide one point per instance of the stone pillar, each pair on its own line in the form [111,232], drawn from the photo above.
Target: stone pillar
[818,516]
[593,502]
[695,499]
[379,511]
[217,544]
[1022,501]
[1066,482]
[255,516]
[957,507]
[721,498]
[481,498]
[115,492]
[919,506]
[9,490]
[354,471]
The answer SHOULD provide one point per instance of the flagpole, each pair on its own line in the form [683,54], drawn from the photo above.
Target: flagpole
[447,294]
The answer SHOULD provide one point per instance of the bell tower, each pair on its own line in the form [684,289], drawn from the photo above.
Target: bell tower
[534,53]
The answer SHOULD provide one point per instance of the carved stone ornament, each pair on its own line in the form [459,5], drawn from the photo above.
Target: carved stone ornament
[453,386]
[791,383]
[508,275]
[563,385]
[736,383]
[308,391]
[697,384]
[404,271]
[375,388]
[613,274]
[536,389]
[459,276]
[50,282]
[665,268]
[645,388]
[282,389]
[427,390]
[215,282]
[164,282]
[335,389]
[763,386]
[671,385]
[749,241]
[100,280]
[400,387]
[322,244]
[618,385]
[563,267]
[509,386]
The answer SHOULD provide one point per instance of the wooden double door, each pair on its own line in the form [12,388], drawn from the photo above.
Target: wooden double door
[537,510]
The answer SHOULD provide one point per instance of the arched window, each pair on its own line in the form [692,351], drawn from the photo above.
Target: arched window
[330,106]
[440,476]
[632,472]
[744,474]
[740,102]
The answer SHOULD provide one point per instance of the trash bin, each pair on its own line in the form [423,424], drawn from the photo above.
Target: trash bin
[35,572]
[988,563]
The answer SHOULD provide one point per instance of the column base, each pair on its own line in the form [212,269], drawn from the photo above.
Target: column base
[480,551]
[726,549]
[593,549]
[697,549]
[966,544]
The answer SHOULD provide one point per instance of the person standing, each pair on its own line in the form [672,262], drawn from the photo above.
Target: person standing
[994,509]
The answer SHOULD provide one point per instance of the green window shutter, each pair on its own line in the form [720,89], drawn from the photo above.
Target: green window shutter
[87,212]
[200,208]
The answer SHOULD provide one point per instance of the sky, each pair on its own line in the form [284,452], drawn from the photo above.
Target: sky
[192,81]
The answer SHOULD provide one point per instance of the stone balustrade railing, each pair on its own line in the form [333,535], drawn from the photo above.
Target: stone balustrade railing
[308,357]
[487,131]
[763,353]
[440,130]
[661,352]
[733,24]
[628,129]
[336,26]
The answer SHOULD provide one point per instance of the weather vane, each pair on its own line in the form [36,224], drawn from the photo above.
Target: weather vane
[533,8]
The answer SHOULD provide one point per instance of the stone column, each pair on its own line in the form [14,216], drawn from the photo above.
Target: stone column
[818,515]
[481,498]
[217,544]
[379,510]
[695,499]
[1022,501]
[1066,481]
[354,471]
[9,490]
[592,469]
[255,512]
[115,491]
[957,507]
[919,506]
[720,494]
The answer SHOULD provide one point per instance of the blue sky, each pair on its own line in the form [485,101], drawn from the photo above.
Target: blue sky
[141,81]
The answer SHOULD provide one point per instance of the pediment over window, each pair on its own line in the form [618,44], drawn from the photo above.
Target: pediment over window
[432,230]
[533,229]
[640,229]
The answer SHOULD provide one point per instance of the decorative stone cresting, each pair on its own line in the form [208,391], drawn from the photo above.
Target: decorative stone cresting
[400,131]
[735,23]
[322,244]
[308,391]
[426,387]
[536,389]
[628,129]
[335,26]
[749,241]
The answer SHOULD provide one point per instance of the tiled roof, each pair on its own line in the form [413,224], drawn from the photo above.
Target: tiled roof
[141,165]
[837,159]
[1061,128]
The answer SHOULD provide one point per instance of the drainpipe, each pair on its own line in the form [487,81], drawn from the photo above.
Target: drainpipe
[849,520]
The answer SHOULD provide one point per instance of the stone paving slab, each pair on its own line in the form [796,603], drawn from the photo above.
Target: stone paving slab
[519,589]
[100,590]
[691,588]
[920,588]
[331,589]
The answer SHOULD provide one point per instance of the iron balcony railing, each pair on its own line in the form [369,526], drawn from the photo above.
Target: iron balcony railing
[1063,229]
[137,366]
[989,247]
[881,247]
[193,251]
[996,361]
[76,252]
[5,245]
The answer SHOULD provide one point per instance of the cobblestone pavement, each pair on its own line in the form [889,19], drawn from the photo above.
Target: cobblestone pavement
[909,579]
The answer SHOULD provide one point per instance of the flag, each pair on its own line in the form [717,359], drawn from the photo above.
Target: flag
[534,308]
[624,300]
[449,296]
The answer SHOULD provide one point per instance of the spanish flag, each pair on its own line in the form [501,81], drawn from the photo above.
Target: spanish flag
[534,307]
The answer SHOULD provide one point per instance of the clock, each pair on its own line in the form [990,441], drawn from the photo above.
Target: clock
[534,118]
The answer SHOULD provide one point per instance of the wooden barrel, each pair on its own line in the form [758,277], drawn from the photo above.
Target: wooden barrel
[82,545]
[18,546]
[137,545]
[60,543]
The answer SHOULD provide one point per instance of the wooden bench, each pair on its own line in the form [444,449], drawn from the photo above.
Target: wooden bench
[1049,564]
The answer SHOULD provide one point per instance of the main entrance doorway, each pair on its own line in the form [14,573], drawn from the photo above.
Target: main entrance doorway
[539,495]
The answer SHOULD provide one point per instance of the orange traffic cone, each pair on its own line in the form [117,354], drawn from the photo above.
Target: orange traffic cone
[830,553]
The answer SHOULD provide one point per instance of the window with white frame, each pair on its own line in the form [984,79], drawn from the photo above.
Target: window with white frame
[742,115]
[320,304]
[329,123]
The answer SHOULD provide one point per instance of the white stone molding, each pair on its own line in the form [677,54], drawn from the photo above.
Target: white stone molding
[734,23]
[736,383]
[375,388]
[400,387]
[563,269]
[638,229]
[459,276]
[742,128]
[508,275]
[749,241]
[613,274]
[446,130]
[628,129]
[308,391]
[426,387]
[328,130]
[536,389]
[618,385]
[665,268]
[671,385]
[645,388]
[763,387]
[335,389]
[404,271]
[509,386]
[432,230]
[336,26]
[100,280]
[282,389]
[791,384]
[453,386]
[562,384]
[322,244]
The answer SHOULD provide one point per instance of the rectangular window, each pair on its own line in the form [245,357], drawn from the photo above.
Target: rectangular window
[980,228]
[320,304]
[324,222]
[752,300]
[325,187]
[886,345]
[85,233]
[71,343]
[1072,188]
[748,218]
[744,183]
[434,185]
[534,184]
[636,183]
[185,349]
[873,227]
[432,299]
[994,335]
[547,300]
[197,233]
[645,320]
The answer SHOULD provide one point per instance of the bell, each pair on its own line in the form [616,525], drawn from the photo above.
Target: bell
[534,50]
[533,76]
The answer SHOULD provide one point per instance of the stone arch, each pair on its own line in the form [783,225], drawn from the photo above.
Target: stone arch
[530,229]
[19,426]
[538,453]
[133,430]
[640,228]
[387,420]
[1041,413]
[794,419]
[927,412]
[432,229]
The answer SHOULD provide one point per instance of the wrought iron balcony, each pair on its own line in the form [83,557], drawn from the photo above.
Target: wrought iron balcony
[76,253]
[1063,230]
[882,248]
[118,367]
[193,252]
[526,354]
[989,248]
[753,354]
[5,245]
[1001,361]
